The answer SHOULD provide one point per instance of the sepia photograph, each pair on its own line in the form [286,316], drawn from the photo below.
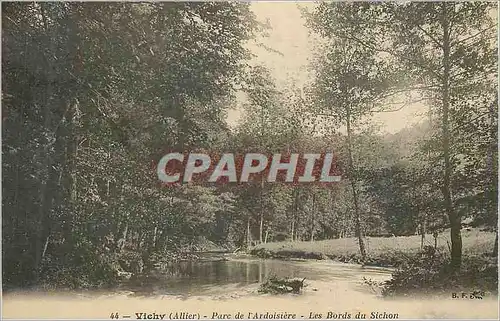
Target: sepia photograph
[232,160]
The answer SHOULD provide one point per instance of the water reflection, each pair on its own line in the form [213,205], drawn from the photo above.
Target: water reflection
[195,277]
[200,277]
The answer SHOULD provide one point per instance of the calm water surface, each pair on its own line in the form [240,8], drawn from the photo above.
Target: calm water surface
[201,277]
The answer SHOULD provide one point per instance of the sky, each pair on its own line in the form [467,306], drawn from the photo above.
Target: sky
[290,37]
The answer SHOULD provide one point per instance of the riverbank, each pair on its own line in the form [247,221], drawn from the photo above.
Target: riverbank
[426,272]
[382,251]
[319,297]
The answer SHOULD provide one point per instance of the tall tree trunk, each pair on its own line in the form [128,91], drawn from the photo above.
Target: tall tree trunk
[491,186]
[454,218]
[423,230]
[45,246]
[48,186]
[123,240]
[295,213]
[261,226]
[313,213]
[155,236]
[248,232]
[352,179]
[495,247]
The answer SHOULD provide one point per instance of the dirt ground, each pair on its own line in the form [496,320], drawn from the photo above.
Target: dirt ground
[320,299]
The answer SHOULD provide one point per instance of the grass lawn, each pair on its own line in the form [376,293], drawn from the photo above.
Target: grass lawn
[382,251]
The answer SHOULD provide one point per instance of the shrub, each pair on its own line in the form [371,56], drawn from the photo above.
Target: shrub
[429,271]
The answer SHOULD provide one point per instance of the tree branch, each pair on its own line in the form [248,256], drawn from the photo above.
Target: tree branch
[470,121]
[391,52]
[400,91]
[430,36]
[398,109]
[473,36]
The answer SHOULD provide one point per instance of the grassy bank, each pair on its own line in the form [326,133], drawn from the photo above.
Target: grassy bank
[382,251]
[417,271]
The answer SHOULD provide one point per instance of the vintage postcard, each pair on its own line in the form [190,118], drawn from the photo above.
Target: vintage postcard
[249,160]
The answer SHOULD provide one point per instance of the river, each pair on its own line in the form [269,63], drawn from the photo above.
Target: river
[227,287]
[210,276]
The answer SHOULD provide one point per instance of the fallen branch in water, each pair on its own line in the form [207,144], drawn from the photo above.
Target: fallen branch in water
[274,285]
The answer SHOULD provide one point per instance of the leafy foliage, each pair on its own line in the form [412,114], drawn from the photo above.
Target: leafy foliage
[93,94]
[430,272]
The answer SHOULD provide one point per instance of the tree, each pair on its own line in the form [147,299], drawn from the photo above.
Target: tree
[349,78]
[445,48]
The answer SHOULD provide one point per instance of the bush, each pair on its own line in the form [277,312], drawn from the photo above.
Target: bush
[430,272]
[391,258]
[83,270]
